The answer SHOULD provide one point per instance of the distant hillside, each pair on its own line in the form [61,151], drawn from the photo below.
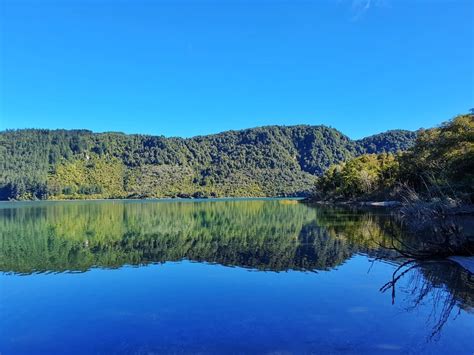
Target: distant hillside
[387,142]
[264,161]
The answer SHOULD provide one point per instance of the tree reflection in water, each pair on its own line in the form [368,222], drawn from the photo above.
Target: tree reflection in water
[267,235]
[447,286]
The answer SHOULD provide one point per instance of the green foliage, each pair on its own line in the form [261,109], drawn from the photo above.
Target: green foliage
[388,142]
[442,159]
[265,161]
[361,176]
[90,177]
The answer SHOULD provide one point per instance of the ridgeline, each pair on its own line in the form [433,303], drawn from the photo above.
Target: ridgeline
[265,161]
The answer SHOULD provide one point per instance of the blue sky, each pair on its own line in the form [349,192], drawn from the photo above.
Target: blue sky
[183,68]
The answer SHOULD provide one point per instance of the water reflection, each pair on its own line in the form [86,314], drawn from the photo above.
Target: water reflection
[442,283]
[265,235]
[270,235]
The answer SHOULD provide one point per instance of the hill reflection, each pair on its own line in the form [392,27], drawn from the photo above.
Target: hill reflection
[265,235]
[270,235]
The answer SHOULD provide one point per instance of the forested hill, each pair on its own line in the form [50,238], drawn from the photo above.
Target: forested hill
[387,142]
[265,161]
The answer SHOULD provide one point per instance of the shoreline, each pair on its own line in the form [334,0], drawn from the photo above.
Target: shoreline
[151,199]
[387,203]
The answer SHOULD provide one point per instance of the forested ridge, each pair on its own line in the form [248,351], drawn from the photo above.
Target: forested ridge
[264,161]
[439,165]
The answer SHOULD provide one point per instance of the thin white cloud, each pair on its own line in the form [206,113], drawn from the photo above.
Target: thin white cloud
[361,7]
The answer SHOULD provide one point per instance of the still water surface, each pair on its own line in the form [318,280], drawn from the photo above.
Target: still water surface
[231,276]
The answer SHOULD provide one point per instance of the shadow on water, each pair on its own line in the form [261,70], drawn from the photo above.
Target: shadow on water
[269,235]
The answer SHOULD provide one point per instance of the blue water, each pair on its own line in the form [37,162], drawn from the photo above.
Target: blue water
[231,303]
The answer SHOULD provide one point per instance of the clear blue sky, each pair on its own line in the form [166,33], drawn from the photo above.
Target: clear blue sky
[182,68]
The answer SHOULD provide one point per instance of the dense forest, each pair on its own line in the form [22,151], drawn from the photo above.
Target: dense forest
[265,161]
[439,165]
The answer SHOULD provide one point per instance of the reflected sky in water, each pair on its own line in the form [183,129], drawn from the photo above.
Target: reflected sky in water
[235,276]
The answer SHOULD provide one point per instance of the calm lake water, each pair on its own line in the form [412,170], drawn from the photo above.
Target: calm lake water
[230,276]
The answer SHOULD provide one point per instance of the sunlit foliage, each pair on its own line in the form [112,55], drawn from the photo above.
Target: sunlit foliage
[442,159]
[266,161]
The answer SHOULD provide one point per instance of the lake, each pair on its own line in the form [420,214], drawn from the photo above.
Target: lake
[220,276]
